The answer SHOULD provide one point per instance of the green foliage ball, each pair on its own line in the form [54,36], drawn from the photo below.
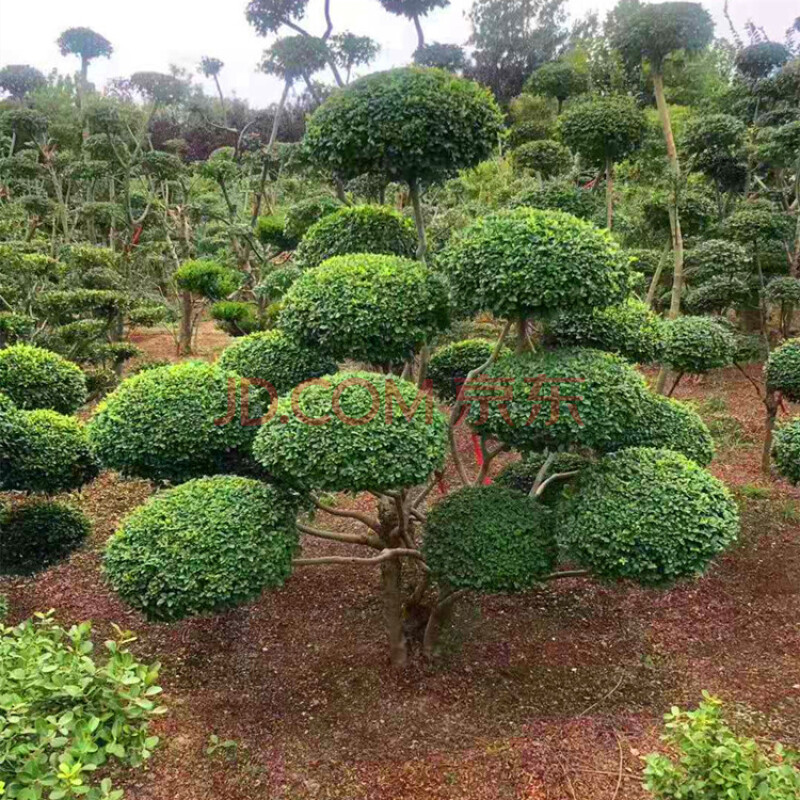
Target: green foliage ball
[648,515]
[207,545]
[450,365]
[357,229]
[558,79]
[697,345]
[546,157]
[301,216]
[166,424]
[36,535]
[783,370]
[374,308]
[207,279]
[271,231]
[714,258]
[784,291]
[34,378]
[559,195]
[367,432]
[528,262]
[236,318]
[489,539]
[786,450]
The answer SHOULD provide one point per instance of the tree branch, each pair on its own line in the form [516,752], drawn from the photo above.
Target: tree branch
[540,475]
[559,476]
[386,555]
[344,538]
[365,519]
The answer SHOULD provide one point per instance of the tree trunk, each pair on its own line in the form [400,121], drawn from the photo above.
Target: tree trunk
[391,578]
[221,100]
[771,402]
[420,32]
[419,219]
[185,334]
[609,193]
[522,336]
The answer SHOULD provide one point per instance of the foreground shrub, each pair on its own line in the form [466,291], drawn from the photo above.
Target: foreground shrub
[275,358]
[67,712]
[786,450]
[697,345]
[357,229]
[783,370]
[39,534]
[450,365]
[202,547]
[648,515]
[490,539]
[716,763]
[35,378]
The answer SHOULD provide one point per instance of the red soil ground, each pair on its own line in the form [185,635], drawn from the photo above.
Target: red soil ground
[554,695]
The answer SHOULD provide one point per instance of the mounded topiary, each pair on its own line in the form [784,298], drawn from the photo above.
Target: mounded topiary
[52,456]
[631,330]
[648,515]
[351,432]
[783,370]
[786,450]
[202,547]
[521,475]
[697,345]
[528,262]
[357,229]
[34,378]
[559,195]
[275,358]
[169,424]
[545,157]
[714,258]
[490,539]
[301,216]
[373,308]
[207,279]
[450,365]
[38,534]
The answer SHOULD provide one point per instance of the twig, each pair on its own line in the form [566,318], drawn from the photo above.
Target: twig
[621,759]
[569,780]
[603,698]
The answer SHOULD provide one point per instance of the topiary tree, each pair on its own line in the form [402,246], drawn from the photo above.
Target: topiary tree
[357,229]
[546,157]
[449,57]
[558,195]
[414,10]
[294,57]
[781,379]
[210,68]
[759,60]
[366,129]
[351,51]
[450,365]
[373,308]
[35,378]
[19,80]
[784,293]
[303,215]
[604,131]
[87,45]
[558,79]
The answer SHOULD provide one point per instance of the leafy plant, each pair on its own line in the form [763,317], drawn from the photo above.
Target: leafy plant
[450,365]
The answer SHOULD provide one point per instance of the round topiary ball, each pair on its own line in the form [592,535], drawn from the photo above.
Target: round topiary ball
[52,456]
[490,539]
[697,345]
[783,370]
[357,229]
[546,157]
[301,216]
[36,535]
[559,195]
[354,431]
[176,423]
[647,515]
[786,450]
[450,365]
[34,378]
[528,262]
[276,359]
[207,545]
[374,308]
[631,330]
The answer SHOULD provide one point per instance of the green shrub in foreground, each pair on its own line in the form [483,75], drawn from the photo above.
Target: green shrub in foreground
[786,450]
[207,545]
[697,345]
[67,711]
[647,515]
[490,539]
[450,365]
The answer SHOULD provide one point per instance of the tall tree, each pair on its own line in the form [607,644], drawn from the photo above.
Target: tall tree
[87,45]
[18,80]
[211,68]
[351,51]
[414,10]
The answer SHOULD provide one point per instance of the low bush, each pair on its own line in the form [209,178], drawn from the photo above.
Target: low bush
[450,365]
[786,450]
[236,318]
[783,370]
[697,345]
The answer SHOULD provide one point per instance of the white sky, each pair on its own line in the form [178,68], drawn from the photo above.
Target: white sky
[151,34]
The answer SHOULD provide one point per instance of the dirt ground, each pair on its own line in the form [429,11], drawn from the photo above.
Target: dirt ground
[554,695]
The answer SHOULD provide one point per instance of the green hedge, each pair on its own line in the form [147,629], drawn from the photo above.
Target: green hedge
[207,545]
[697,345]
[647,515]
[490,539]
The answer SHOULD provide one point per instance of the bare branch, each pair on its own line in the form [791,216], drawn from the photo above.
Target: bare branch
[365,519]
[344,538]
[540,475]
[559,476]
[386,555]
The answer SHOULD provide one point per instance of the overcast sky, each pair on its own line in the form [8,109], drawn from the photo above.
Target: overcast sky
[152,34]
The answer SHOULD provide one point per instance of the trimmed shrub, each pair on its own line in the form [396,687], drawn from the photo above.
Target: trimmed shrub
[697,345]
[715,258]
[15,327]
[649,515]
[521,475]
[207,545]
[36,535]
[276,283]
[528,262]
[783,370]
[490,539]
[53,454]
[236,318]
[631,330]
[365,434]
[34,378]
[719,294]
[167,424]
[357,229]
[301,216]
[546,157]
[786,450]
[275,358]
[450,365]
[374,308]
[559,195]
[68,712]
[271,231]
[207,279]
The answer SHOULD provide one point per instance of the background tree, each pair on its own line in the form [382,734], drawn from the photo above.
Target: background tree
[351,51]
[211,68]
[559,79]
[19,80]
[414,10]
[450,57]
[87,45]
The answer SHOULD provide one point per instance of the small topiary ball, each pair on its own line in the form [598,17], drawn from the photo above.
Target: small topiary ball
[169,424]
[647,515]
[631,330]
[53,454]
[786,450]
[521,475]
[528,262]
[450,365]
[490,539]
[34,378]
[301,216]
[275,358]
[697,345]
[545,157]
[374,308]
[783,370]
[202,547]
[354,431]
[36,535]
[357,229]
